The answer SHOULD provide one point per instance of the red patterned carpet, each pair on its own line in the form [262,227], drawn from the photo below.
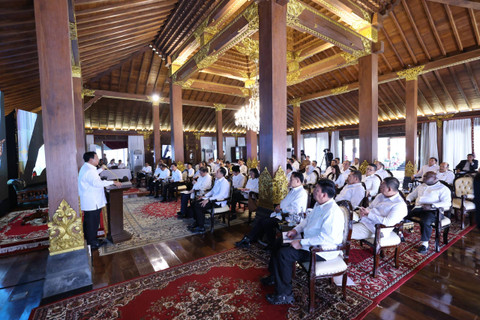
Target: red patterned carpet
[226,286]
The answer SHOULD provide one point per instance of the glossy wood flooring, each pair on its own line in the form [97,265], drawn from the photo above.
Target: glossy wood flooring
[447,288]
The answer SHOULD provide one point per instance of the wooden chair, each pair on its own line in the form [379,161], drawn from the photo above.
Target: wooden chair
[462,202]
[330,268]
[181,186]
[251,203]
[221,210]
[441,223]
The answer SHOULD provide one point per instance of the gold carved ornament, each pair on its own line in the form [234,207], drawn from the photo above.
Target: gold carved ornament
[339,90]
[88,92]
[219,106]
[363,167]
[293,78]
[65,230]
[410,74]
[440,119]
[73,31]
[180,166]
[280,186]
[251,15]
[295,102]
[265,190]
[76,72]
[249,48]
[252,163]
[409,169]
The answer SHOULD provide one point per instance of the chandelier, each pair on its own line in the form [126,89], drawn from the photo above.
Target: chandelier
[249,115]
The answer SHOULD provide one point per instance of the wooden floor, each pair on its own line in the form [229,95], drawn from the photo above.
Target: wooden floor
[447,288]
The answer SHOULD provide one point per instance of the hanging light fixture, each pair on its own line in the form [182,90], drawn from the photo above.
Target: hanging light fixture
[249,115]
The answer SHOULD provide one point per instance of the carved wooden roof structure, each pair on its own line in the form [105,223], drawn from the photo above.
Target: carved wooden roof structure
[127,47]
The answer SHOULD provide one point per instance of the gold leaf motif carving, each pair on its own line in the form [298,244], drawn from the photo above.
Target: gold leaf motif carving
[293,77]
[187,84]
[440,119]
[245,92]
[88,92]
[363,167]
[339,90]
[280,186]
[65,230]
[265,189]
[349,58]
[249,48]
[409,169]
[252,163]
[411,74]
[180,166]
[251,15]
[76,72]
[294,10]
[295,102]
[73,31]
[219,106]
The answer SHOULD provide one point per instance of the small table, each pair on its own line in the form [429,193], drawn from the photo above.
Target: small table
[116,233]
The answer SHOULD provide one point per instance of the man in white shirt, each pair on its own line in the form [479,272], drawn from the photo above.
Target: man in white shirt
[243,167]
[444,174]
[92,197]
[169,188]
[372,180]
[429,195]
[160,179]
[340,182]
[311,176]
[238,179]
[190,170]
[146,170]
[203,183]
[353,191]
[316,168]
[388,209]
[431,166]
[295,163]
[295,202]
[121,165]
[220,191]
[323,226]
[382,173]
[112,163]
[153,179]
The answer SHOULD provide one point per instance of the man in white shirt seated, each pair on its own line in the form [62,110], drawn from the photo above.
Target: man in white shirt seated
[431,166]
[146,170]
[356,163]
[200,187]
[372,180]
[238,179]
[317,168]
[160,179]
[242,193]
[153,179]
[112,163]
[121,165]
[429,195]
[382,173]
[388,208]
[289,171]
[353,191]
[323,226]
[444,174]
[243,167]
[190,170]
[295,202]
[220,191]
[169,187]
[92,197]
[340,182]
[311,176]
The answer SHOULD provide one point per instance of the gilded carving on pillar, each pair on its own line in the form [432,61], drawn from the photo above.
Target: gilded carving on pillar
[295,102]
[293,77]
[249,48]
[265,189]
[187,84]
[202,59]
[363,167]
[88,93]
[252,163]
[73,31]
[251,15]
[440,119]
[88,131]
[411,74]
[219,106]
[76,72]
[180,166]
[349,58]
[245,92]
[65,230]
[339,90]
[198,33]
[280,186]
[409,169]
[294,10]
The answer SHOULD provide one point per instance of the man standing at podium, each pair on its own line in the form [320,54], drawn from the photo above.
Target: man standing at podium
[92,197]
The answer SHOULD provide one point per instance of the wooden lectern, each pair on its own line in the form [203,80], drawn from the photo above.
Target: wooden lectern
[116,233]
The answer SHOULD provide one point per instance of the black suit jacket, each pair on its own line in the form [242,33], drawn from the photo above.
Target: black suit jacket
[462,163]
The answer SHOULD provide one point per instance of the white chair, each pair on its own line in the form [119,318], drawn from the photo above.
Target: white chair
[463,198]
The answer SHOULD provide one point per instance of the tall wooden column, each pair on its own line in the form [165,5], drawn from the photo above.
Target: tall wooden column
[157,151]
[251,141]
[368,107]
[296,128]
[411,92]
[273,85]
[67,266]
[176,121]
[440,140]
[219,128]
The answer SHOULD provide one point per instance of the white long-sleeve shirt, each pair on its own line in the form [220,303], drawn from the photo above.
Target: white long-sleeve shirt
[191,172]
[426,168]
[243,169]
[176,175]
[252,185]
[383,173]
[157,172]
[238,181]
[385,210]
[202,184]
[221,190]
[353,193]
[147,169]
[164,174]
[447,176]
[90,188]
[372,183]
[436,194]
[342,178]
[295,201]
[323,226]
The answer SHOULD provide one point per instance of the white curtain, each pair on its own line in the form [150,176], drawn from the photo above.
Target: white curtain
[457,140]
[476,136]
[136,153]
[90,144]
[336,147]
[322,144]
[428,142]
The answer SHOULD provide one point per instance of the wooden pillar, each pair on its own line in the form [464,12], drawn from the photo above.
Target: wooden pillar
[440,140]
[176,121]
[273,85]
[251,141]
[67,266]
[157,151]
[411,92]
[368,107]
[219,128]
[296,129]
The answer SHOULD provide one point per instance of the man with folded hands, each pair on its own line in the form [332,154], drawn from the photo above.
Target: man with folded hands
[203,183]
[353,191]
[323,226]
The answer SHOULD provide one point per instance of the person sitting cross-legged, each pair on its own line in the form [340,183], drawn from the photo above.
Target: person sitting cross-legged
[295,202]
[353,191]
[242,193]
[323,226]
[220,191]
[430,194]
[168,188]
[203,183]
[160,179]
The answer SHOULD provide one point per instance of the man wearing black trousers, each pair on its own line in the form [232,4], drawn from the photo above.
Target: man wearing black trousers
[92,197]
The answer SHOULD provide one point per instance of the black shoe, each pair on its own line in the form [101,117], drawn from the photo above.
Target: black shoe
[422,249]
[181,216]
[192,226]
[280,298]
[268,281]
[198,230]
[98,244]
[244,243]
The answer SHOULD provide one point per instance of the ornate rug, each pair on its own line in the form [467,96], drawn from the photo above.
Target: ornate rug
[226,286]
[151,221]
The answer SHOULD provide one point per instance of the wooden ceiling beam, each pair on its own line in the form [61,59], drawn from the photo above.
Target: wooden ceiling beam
[313,49]
[454,27]
[473,19]
[447,92]
[404,38]
[348,12]
[433,27]
[225,72]
[402,63]
[415,29]
[459,88]
[460,3]
[472,78]
[433,93]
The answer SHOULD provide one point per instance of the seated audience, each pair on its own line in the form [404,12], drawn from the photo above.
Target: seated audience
[340,182]
[190,170]
[121,165]
[444,174]
[382,173]
[220,191]
[372,180]
[388,208]
[430,194]
[153,179]
[469,165]
[146,170]
[159,181]
[112,163]
[353,191]
[431,166]
[323,226]
[311,176]
[203,183]
[289,171]
[317,168]
[169,187]
[356,163]
[240,194]
[295,202]
[243,167]
[295,163]
[335,173]
[330,168]
[238,179]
